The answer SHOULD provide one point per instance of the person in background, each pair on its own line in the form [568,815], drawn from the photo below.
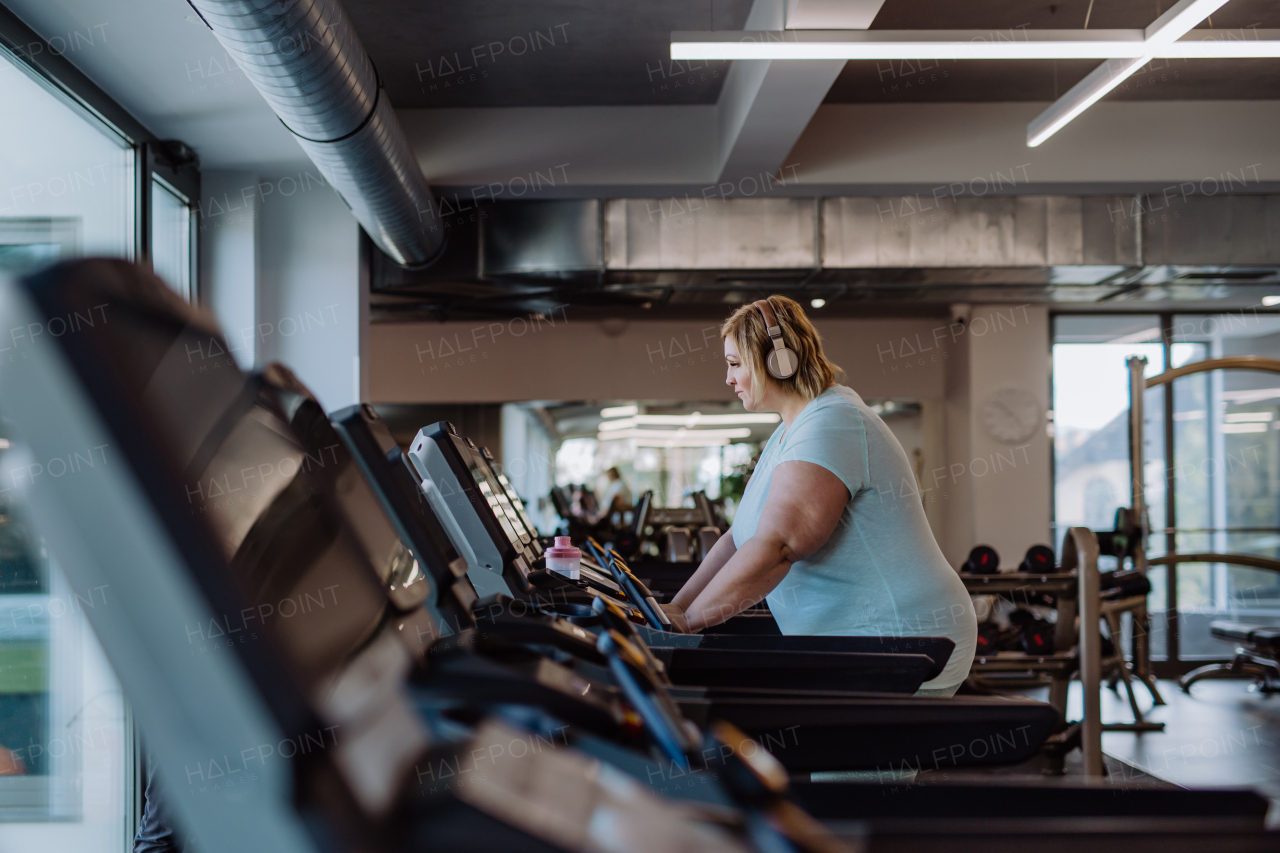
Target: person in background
[155,831]
[584,503]
[830,528]
[617,497]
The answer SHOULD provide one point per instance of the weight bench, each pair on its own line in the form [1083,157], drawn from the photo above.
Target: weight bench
[1256,655]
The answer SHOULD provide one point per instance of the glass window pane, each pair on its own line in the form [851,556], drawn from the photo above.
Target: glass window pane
[1228,476]
[1091,432]
[171,238]
[66,189]
[1091,417]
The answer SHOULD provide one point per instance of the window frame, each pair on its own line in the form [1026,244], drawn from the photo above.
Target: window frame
[152,158]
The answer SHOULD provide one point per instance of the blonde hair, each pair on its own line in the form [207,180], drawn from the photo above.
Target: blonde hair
[746,326]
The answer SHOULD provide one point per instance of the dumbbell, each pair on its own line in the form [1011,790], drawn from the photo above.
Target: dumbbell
[993,639]
[1036,634]
[1039,560]
[983,560]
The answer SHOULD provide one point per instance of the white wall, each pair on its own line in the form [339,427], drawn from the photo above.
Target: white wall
[280,268]
[309,294]
[228,257]
[528,461]
[1011,502]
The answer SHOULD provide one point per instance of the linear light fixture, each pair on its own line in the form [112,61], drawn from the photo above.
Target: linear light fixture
[674,434]
[689,421]
[972,44]
[690,441]
[1181,18]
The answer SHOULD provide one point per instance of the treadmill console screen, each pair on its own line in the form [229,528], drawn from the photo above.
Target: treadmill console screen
[372,445]
[406,581]
[443,457]
[513,499]
[489,485]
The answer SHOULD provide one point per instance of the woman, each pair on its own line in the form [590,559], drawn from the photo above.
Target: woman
[830,529]
[617,497]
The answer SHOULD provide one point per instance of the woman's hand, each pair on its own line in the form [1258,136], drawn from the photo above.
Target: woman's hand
[720,553]
[804,506]
[679,623]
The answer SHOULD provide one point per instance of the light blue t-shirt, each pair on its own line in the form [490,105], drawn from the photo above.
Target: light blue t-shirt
[881,573]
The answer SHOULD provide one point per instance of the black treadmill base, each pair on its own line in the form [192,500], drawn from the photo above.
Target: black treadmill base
[887,733]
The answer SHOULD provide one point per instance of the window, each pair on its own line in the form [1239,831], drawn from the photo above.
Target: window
[66,189]
[1223,462]
[1227,498]
[171,237]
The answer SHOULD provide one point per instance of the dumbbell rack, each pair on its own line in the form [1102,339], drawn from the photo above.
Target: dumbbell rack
[1060,667]
[1076,588]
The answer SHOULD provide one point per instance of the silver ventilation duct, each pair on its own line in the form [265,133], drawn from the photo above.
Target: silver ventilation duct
[306,60]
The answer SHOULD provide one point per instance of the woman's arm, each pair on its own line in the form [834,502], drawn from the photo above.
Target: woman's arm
[803,508]
[715,560]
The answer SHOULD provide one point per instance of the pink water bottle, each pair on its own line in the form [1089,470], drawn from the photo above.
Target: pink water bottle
[564,558]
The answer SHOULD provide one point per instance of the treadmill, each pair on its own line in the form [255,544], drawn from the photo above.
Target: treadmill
[213,510]
[502,674]
[175,551]
[937,648]
[802,727]
[456,470]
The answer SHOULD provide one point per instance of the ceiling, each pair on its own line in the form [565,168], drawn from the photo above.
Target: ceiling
[169,71]
[600,97]
[614,53]
[589,52]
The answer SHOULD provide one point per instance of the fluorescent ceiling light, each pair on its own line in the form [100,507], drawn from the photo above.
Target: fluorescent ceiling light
[625,423]
[1145,336]
[692,442]
[675,434]
[908,44]
[697,418]
[1208,47]
[689,421]
[1249,417]
[1080,97]
[1181,18]
[972,44]
[817,303]
[1268,301]
[1237,428]
[618,411]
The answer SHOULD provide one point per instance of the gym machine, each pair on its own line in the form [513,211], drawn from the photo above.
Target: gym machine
[1251,655]
[821,723]
[178,549]
[212,511]
[679,532]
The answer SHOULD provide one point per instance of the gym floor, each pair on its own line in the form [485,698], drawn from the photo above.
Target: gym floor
[1222,735]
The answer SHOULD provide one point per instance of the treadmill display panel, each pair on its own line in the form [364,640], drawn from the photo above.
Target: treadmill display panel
[487,491]
[484,473]
[406,582]
[297,562]
[514,498]
[374,448]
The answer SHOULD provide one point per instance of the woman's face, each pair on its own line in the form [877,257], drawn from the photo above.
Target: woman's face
[739,375]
